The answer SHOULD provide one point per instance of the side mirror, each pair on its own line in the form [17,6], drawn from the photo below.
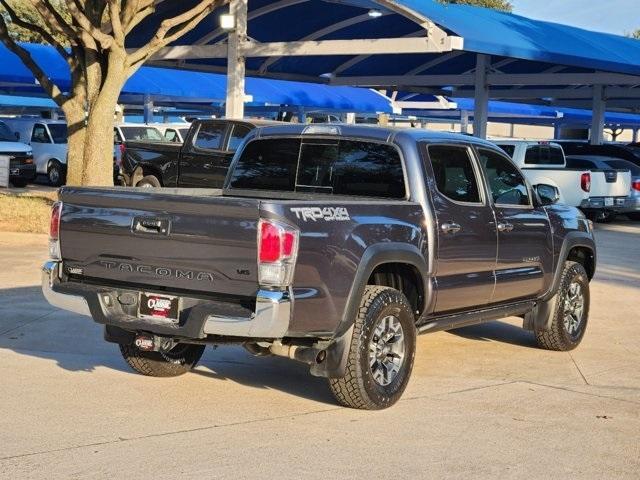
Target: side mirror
[548,194]
[17,134]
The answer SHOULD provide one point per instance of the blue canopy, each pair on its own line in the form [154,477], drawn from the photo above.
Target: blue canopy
[516,45]
[166,85]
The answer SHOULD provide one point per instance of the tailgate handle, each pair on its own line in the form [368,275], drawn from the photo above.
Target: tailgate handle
[158,226]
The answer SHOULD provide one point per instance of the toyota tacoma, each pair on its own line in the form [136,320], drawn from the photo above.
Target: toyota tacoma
[334,245]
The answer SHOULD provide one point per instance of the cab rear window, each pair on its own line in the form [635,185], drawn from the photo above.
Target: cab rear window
[544,155]
[331,166]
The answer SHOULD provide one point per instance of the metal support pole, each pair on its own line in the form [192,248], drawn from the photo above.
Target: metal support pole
[148,109]
[557,131]
[234,106]
[464,121]
[302,117]
[636,138]
[481,114]
[599,109]
[350,117]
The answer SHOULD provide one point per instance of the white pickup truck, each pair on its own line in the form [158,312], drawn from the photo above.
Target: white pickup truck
[594,191]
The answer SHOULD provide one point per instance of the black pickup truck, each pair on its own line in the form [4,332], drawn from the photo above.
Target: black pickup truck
[334,245]
[201,161]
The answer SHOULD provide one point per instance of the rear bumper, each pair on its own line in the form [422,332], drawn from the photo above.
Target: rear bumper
[604,203]
[631,204]
[267,318]
[22,172]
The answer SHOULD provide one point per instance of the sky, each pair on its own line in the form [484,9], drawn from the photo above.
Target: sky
[611,16]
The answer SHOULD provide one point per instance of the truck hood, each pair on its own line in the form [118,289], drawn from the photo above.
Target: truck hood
[14,147]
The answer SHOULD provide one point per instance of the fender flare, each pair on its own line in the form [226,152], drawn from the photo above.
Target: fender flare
[539,319]
[389,252]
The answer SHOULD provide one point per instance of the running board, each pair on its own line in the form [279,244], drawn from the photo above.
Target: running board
[465,319]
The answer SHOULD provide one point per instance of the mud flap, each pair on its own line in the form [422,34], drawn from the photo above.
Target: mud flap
[335,362]
[539,319]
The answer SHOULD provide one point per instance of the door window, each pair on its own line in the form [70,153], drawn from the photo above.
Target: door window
[40,134]
[506,183]
[171,135]
[455,176]
[238,134]
[210,136]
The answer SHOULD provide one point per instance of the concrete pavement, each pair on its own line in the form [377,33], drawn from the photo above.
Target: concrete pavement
[483,401]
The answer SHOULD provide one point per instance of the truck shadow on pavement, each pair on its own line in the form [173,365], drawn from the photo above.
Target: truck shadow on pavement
[497,331]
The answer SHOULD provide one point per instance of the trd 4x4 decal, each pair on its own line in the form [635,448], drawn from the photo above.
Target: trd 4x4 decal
[328,214]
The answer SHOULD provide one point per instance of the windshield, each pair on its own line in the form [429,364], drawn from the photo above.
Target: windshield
[624,165]
[142,133]
[58,132]
[6,135]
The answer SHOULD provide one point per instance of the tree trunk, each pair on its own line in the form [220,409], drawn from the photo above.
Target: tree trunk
[98,146]
[76,125]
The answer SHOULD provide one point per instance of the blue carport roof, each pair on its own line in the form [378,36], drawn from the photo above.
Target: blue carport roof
[517,45]
[484,31]
[166,85]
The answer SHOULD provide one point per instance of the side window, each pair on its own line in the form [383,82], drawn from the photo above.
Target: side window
[508,149]
[506,183]
[171,135]
[238,134]
[40,134]
[210,136]
[454,173]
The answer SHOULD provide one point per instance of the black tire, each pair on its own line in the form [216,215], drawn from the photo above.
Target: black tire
[55,173]
[559,336]
[19,182]
[359,388]
[149,182]
[607,217]
[182,358]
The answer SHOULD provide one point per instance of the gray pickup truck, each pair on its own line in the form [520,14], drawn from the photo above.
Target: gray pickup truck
[334,245]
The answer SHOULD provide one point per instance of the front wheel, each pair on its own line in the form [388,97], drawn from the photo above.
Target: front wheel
[381,353]
[570,313]
[55,173]
[149,182]
[177,361]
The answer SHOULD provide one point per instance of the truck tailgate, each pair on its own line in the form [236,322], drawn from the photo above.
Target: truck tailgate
[172,239]
[610,183]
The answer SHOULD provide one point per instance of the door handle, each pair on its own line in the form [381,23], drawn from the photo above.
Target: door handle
[156,226]
[207,166]
[505,227]
[450,227]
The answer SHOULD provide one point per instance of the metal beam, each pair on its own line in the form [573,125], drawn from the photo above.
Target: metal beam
[598,116]
[234,105]
[497,79]
[481,113]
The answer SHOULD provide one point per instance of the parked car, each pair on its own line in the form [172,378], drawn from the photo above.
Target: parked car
[591,191]
[334,245]
[48,140]
[618,184]
[22,168]
[632,205]
[625,152]
[201,161]
[173,132]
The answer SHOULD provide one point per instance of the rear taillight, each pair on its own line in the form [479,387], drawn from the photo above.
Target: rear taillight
[277,251]
[54,231]
[585,182]
[636,185]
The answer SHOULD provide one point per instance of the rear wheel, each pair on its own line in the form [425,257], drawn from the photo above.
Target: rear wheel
[149,182]
[19,182]
[381,353]
[177,361]
[570,313]
[55,173]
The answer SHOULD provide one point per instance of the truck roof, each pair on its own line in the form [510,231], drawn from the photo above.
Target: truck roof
[367,132]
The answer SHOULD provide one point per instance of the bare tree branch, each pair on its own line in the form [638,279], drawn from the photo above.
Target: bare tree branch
[85,24]
[171,29]
[52,18]
[116,22]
